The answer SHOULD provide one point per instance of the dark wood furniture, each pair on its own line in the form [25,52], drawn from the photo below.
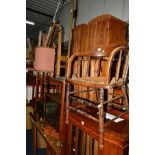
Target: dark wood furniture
[51,122]
[87,90]
[116,138]
[83,137]
[38,91]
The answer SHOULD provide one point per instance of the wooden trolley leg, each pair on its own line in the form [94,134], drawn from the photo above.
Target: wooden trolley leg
[101,117]
[35,140]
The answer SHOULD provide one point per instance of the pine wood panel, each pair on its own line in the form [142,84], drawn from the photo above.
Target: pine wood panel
[97,33]
[80,40]
[106,32]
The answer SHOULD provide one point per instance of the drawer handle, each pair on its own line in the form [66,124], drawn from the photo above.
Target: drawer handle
[82,122]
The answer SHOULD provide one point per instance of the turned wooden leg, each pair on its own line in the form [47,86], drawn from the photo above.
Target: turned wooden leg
[101,117]
[124,90]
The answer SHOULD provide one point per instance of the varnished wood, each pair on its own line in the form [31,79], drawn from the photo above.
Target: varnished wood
[58,62]
[95,147]
[57,94]
[80,39]
[60,92]
[69,140]
[94,72]
[116,135]
[51,34]
[116,138]
[83,143]
[104,32]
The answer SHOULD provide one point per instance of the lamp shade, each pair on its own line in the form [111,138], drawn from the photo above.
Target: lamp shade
[44,59]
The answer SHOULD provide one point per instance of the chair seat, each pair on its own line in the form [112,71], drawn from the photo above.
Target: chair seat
[94,82]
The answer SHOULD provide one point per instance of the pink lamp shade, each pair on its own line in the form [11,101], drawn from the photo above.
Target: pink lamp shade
[44,59]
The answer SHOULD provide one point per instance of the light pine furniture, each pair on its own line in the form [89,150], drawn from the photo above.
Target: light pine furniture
[104,32]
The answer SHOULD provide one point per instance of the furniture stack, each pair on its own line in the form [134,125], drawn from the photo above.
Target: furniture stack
[96,82]
[93,117]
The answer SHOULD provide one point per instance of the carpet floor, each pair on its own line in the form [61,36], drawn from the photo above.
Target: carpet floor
[29,145]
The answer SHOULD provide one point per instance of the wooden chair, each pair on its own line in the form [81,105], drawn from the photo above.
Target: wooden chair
[52,128]
[84,70]
[38,91]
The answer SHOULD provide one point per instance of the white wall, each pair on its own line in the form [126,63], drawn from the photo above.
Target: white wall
[89,9]
[126,10]
[28,93]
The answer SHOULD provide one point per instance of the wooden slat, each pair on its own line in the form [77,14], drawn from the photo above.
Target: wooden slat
[59,33]
[76,141]
[83,143]
[118,66]
[63,66]
[125,70]
[79,73]
[95,147]
[87,145]
[94,72]
[75,73]
[64,58]
[85,73]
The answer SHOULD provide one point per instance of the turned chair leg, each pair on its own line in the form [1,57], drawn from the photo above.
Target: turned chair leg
[126,100]
[101,116]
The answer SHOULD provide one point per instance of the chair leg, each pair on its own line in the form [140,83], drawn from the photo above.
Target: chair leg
[110,93]
[126,100]
[101,117]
